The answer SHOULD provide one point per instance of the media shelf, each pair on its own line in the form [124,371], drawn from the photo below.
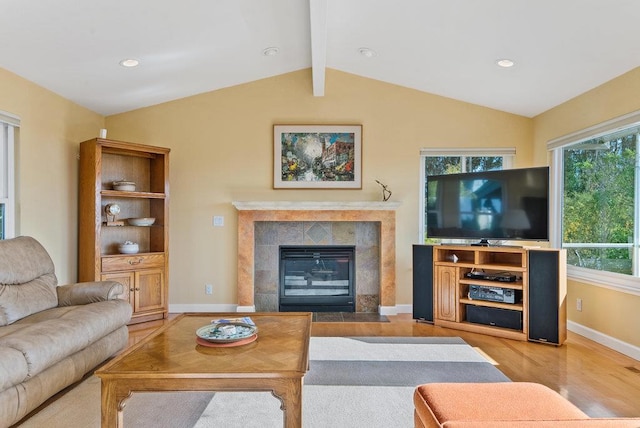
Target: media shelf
[121,194]
[503,307]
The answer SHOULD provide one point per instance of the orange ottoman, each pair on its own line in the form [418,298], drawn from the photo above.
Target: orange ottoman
[443,404]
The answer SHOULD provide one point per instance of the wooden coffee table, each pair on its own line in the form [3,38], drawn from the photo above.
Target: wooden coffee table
[170,360]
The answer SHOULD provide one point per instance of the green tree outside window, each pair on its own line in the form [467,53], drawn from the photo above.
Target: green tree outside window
[599,203]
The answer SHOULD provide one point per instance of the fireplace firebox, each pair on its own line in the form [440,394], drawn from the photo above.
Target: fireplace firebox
[317,278]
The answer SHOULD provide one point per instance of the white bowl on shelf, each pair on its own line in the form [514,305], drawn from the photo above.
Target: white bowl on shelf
[128,248]
[126,186]
[141,221]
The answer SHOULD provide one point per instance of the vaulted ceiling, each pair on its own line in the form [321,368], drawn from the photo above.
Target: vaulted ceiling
[561,48]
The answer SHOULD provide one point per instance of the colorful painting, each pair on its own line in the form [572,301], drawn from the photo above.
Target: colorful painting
[317,156]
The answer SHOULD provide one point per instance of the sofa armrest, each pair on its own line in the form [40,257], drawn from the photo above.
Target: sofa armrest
[83,293]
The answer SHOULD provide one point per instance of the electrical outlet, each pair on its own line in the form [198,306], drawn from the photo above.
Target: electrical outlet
[208,289]
[218,220]
[579,305]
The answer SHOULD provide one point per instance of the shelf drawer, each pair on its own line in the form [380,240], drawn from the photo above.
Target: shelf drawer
[132,262]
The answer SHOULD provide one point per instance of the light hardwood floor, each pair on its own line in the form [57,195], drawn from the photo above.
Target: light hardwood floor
[600,381]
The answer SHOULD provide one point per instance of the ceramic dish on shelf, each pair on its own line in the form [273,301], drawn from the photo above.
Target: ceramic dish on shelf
[128,247]
[126,186]
[226,332]
[142,221]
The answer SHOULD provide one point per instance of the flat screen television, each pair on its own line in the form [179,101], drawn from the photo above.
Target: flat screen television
[508,204]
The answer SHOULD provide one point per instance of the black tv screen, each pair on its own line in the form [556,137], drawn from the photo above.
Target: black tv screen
[509,204]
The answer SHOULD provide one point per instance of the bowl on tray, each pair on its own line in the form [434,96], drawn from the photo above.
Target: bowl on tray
[141,221]
[128,247]
[227,332]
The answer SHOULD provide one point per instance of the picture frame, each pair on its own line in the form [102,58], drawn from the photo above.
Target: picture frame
[317,156]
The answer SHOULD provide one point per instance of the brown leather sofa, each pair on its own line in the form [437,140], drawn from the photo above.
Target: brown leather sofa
[501,405]
[50,335]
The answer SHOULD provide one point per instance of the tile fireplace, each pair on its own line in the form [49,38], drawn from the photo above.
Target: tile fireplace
[253,214]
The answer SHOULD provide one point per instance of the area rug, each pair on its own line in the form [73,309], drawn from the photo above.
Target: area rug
[80,408]
[352,382]
[356,382]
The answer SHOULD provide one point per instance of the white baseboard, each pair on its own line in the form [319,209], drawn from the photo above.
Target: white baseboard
[404,309]
[178,309]
[395,310]
[387,310]
[605,340]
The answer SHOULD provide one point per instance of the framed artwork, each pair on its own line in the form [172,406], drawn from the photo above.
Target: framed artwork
[317,156]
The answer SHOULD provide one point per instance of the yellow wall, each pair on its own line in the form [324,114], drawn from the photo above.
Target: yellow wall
[47,182]
[610,312]
[222,151]
[222,148]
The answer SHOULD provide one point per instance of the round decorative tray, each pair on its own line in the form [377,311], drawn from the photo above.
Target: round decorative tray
[241,342]
[227,332]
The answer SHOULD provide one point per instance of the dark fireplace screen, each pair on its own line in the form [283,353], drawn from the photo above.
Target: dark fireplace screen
[317,278]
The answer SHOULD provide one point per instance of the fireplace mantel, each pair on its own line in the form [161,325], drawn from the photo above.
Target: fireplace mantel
[310,205]
[383,213]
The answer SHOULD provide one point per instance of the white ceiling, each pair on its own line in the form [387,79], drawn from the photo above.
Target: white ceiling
[562,48]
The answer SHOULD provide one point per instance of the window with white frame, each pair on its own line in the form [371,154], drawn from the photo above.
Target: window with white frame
[596,173]
[440,161]
[8,127]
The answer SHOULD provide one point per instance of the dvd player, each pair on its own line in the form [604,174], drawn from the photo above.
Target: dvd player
[501,277]
[494,294]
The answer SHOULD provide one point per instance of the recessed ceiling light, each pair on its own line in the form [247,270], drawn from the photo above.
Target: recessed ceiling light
[272,51]
[129,62]
[505,63]
[366,52]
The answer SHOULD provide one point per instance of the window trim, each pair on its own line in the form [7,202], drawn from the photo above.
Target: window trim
[619,282]
[611,126]
[508,157]
[8,125]
[611,280]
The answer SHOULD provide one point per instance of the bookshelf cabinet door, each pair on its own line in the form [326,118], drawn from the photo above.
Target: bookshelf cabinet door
[149,290]
[445,293]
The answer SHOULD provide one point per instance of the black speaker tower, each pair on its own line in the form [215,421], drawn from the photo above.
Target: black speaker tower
[546,310]
[423,283]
